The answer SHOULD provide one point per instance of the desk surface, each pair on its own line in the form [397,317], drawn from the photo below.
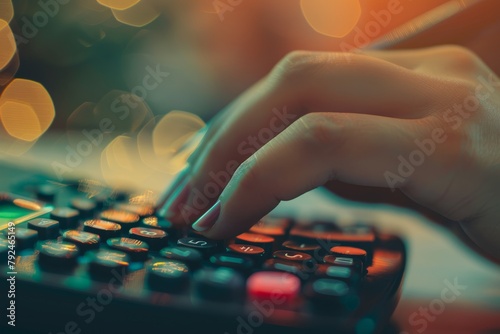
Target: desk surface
[436,257]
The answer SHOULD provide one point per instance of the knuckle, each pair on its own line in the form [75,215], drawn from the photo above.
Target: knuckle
[295,65]
[460,57]
[321,131]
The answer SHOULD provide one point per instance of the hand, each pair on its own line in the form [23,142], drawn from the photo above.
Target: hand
[424,122]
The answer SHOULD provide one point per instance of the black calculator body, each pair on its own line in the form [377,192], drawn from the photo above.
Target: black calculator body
[101,261]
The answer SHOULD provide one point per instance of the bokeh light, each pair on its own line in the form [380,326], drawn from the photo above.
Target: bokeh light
[35,96]
[119,160]
[139,15]
[335,18]
[7,44]
[118,4]
[162,143]
[26,112]
[6,10]
[20,121]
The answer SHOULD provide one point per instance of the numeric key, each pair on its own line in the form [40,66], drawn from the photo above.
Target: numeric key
[264,241]
[46,228]
[206,247]
[327,292]
[102,228]
[67,217]
[104,263]
[190,256]
[155,238]
[219,284]
[137,250]
[86,207]
[234,261]
[84,240]
[25,238]
[169,276]
[58,254]
[255,253]
[124,218]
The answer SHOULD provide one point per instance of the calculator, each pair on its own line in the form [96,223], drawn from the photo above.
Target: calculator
[81,258]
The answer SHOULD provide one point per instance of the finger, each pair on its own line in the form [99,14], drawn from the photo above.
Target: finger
[305,83]
[357,149]
[447,60]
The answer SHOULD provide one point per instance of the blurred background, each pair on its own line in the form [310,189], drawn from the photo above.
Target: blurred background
[117,89]
[140,77]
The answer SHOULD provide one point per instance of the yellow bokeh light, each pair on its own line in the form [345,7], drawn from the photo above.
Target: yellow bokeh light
[172,131]
[20,121]
[35,96]
[163,142]
[7,44]
[6,10]
[118,4]
[334,18]
[137,16]
[126,111]
[121,166]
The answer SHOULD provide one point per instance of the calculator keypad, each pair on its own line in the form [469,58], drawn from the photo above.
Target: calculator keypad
[316,266]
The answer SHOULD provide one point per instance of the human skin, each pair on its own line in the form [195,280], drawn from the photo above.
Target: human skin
[358,115]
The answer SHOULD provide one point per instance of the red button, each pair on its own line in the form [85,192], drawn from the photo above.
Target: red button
[352,252]
[278,287]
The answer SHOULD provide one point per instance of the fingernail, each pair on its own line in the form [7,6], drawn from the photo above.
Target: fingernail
[178,199]
[208,219]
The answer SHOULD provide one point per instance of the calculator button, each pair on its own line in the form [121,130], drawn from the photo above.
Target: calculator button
[170,276]
[106,262]
[351,252]
[355,264]
[264,241]
[25,238]
[328,292]
[274,227]
[219,284]
[190,256]
[120,196]
[46,193]
[141,210]
[251,251]
[234,261]
[137,250]
[309,248]
[102,228]
[323,226]
[84,240]
[159,223]
[287,266]
[101,200]
[57,253]
[279,288]
[67,217]
[292,256]
[46,228]
[345,274]
[155,238]
[124,218]
[86,207]
[206,247]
